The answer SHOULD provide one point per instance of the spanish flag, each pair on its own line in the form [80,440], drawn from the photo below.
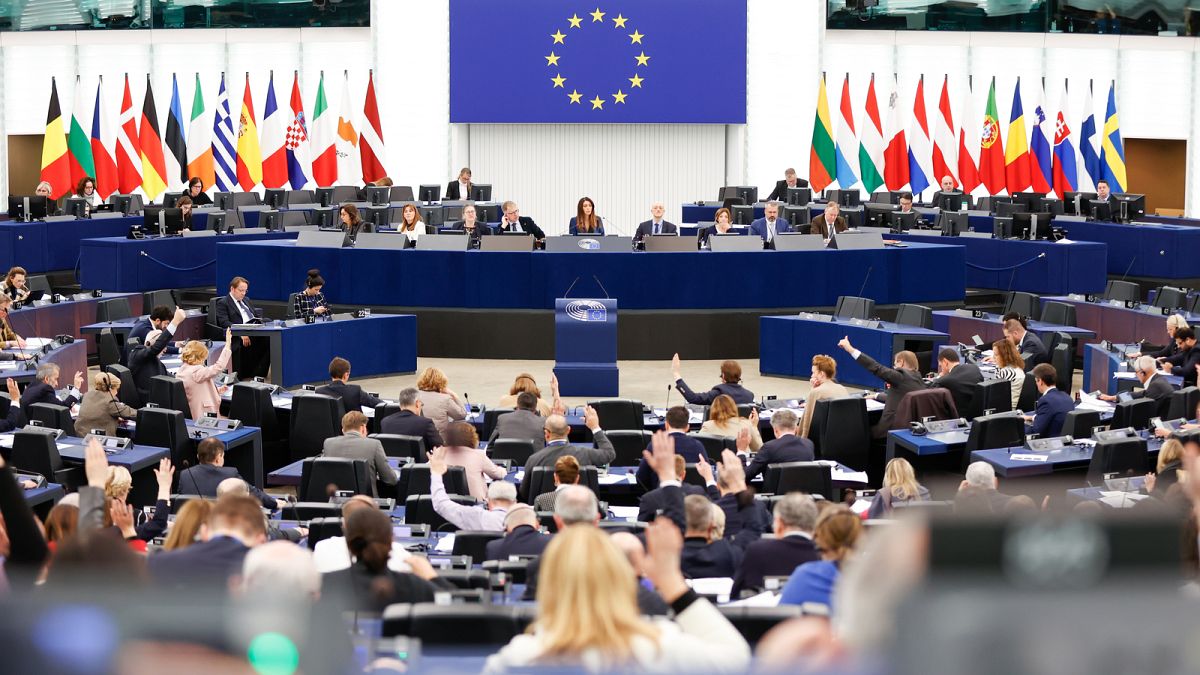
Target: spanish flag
[56,165]
[150,148]
[249,156]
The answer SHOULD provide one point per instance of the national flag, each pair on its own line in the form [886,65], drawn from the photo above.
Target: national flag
[1089,156]
[870,147]
[822,160]
[324,140]
[895,156]
[1065,161]
[296,141]
[918,144]
[249,156]
[349,167]
[945,163]
[101,140]
[968,146]
[79,144]
[274,132]
[1016,152]
[991,148]
[1112,150]
[56,166]
[176,142]
[1040,171]
[223,145]
[370,146]
[199,145]
[846,150]
[150,148]
[129,160]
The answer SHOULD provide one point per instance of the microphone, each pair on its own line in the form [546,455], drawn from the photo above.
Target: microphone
[194,483]
[467,398]
[606,295]
[1129,268]
[668,403]
[864,283]
[569,288]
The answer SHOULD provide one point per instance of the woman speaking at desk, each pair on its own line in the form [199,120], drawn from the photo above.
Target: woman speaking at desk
[311,301]
[586,221]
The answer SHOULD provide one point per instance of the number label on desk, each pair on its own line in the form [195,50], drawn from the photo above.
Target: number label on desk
[1019,457]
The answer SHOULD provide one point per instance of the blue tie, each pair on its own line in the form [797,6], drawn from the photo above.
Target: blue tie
[657,228]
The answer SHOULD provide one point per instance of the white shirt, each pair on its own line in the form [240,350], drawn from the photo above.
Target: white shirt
[464,190]
[243,309]
[331,555]
[515,226]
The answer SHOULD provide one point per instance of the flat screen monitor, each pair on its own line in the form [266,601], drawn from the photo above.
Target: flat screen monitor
[1030,225]
[27,207]
[401,193]
[216,221]
[169,199]
[877,214]
[432,215]
[271,220]
[1055,207]
[1100,210]
[377,194]
[376,215]
[748,193]
[901,222]
[488,213]
[1029,200]
[429,193]
[127,204]
[481,193]
[218,199]
[75,206]
[326,217]
[743,215]
[1002,227]
[1076,203]
[727,192]
[795,215]
[885,197]
[452,214]
[844,197]
[156,219]
[1007,208]
[951,223]
[273,197]
[1130,207]
[799,196]
[949,201]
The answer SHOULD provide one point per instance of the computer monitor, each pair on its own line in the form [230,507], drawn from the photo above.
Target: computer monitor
[481,192]
[273,197]
[429,193]
[952,223]
[949,201]
[885,197]
[1055,207]
[27,207]
[1076,203]
[743,215]
[1100,210]
[218,199]
[453,213]
[1007,208]
[844,197]
[433,215]
[748,193]
[127,204]
[1130,207]
[75,206]
[216,221]
[1002,227]
[901,222]
[877,214]
[1029,200]
[727,192]
[325,217]
[376,216]
[1030,225]
[488,213]
[377,194]
[795,215]
[799,196]
[169,199]
[271,220]
[160,220]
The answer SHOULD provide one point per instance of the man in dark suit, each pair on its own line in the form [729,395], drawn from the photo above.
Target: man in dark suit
[656,225]
[556,431]
[828,222]
[144,361]
[204,478]
[789,181]
[410,422]
[1052,406]
[523,424]
[704,555]
[44,385]
[1030,346]
[902,378]
[521,535]
[677,424]
[352,395]
[1103,194]
[235,525]
[655,501]
[1186,359]
[770,224]
[731,379]
[1154,385]
[959,378]
[354,444]
[795,518]
[251,356]
[159,317]
[786,447]
[513,221]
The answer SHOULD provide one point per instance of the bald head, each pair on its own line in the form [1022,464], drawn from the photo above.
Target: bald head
[631,546]
[233,486]
[557,428]
[521,515]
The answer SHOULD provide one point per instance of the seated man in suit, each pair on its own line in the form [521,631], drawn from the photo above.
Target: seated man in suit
[251,356]
[1186,360]
[959,378]
[1030,346]
[159,318]
[513,221]
[354,444]
[352,395]
[900,379]
[1052,406]
[522,424]
[410,422]
[144,362]
[786,446]
[770,224]
[979,492]
[795,518]
[656,225]
[1154,385]
[906,202]
[731,385]
[824,370]
[789,181]
[829,222]
[237,487]
[677,423]
[948,186]
[654,502]
[235,525]
[501,496]
[704,555]
[556,430]
[1104,194]
[204,478]
[44,385]
[521,535]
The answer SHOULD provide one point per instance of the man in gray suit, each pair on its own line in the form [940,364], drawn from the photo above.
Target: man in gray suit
[524,423]
[556,432]
[354,444]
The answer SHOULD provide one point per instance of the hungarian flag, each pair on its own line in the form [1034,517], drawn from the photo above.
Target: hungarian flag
[870,146]
[274,128]
[1066,163]
[56,166]
[176,157]
[1040,170]
[991,148]
[249,157]
[79,144]
[102,140]
[349,166]
[1016,154]
[297,139]
[199,146]
[918,144]
[150,148]
[895,156]
[371,143]
[822,157]
[129,161]
[968,145]
[944,161]
[324,140]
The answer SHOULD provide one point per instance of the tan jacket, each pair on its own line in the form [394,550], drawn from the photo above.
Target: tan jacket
[731,428]
[830,389]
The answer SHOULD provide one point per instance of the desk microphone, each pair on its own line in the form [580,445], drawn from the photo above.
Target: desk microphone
[467,398]
[668,404]
[864,283]
[569,288]
[1128,268]
[606,295]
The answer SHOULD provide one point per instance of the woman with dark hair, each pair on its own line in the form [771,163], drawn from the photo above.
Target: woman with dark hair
[586,221]
[722,224]
[351,221]
[368,585]
[195,191]
[85,189]
[310,302]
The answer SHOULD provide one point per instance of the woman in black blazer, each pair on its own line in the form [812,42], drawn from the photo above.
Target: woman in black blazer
[586,221]
[460,189]
[195,191]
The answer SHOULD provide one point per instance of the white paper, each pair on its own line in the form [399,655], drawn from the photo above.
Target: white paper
[873,405]
[712,586]
[1121,500]
[445,544]
[11,365]
[1023,457]
[614,478]
[1089,402]
[861,506]
[37,342]
[625,512]
[284,402]
[520,475]
[1124,375]
[64,446]
[6,441]
[764,599]
[849,476]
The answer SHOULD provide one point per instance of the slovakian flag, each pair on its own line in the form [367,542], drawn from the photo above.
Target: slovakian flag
[895,155]
[324,139]
[1016,154]
[274,129]
[846,150]
[296,141]
[129,159]
[991,148]
[968,146]
[199,142]
[1066,177]
[822,161]
[249,155]
[870,146]
[1040,170]
[918,144]
[370,146]
[176,142]
[102,139]
[944,160]
[150,148]
[79,143]
[56,166]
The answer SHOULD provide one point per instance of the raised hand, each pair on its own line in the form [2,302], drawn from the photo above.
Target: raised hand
[95,464]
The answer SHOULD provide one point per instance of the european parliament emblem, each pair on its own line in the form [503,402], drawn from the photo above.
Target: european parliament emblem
[589,244]
[587,310]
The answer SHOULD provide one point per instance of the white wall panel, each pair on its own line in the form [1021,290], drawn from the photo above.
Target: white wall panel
[27,72]
[1150,102]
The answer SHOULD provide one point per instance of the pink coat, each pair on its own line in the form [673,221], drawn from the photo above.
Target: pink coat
[475,464]
[202,394]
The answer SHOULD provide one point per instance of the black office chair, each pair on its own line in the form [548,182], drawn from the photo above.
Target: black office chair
[291,305]
[320,529]
[1194,304]
[809,477]
[628,446]
[1080,423]
[1126,291]
[1027,401]
[474,543]
[211,330]
[1125,456]
[414,480]
[152,299]
[418,509]
[1002,430]
[489,421]
[619,414]
[1058,313]
[466,580]
[39,282]
[310,510]
[611,526]
[541,481]
[107,350]
[251,403]
[843,430]
[852,307]
[994,395]
[315,417]
[180,499]
[168,392]
[1172,297]
[52,417]
[515,569]
[1025,304]
[128,393]
[914,315]
[1183,404]
[713,445]
[1062,357]
[755,622]
[467,624]
[162,428]
[518,450]
[36,451]
[400,445]
[113,309]
[1134,413]
[318,474]
[382,411]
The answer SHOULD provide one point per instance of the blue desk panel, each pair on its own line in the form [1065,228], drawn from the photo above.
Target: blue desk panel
[704,213]
[1120,324]
[1161,251]
[478,279]
[1072,457]
[118,264]
[962,328]
[43,247]
[1099,366]
[66,318]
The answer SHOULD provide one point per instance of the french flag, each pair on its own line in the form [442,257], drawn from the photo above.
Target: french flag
[1066,178]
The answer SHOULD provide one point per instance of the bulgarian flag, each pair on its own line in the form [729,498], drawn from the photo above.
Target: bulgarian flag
[79,144]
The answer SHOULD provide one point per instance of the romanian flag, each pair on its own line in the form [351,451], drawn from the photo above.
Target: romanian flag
[1016,155]
[56,165]
[991,148]
[150,148]
[1112,149]
[822,158]
[249,156]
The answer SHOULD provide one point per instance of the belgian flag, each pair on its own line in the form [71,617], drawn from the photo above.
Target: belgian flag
[150,147]
[56,164]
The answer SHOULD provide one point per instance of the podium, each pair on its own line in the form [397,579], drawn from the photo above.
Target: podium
[585,347]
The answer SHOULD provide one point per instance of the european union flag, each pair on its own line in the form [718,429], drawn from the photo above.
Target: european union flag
[606,62]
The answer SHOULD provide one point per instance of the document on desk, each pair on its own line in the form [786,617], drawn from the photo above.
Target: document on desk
[6,441]
[764,599]
[12,365]
[37,342]
[1025,457]
[616,478]
[719,586]
[284,402]
[1089,402]
[851,476]
[1121,500]
[445,544]
[629,513]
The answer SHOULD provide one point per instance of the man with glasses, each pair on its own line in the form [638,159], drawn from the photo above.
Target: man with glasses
[1154,385]
[513,221]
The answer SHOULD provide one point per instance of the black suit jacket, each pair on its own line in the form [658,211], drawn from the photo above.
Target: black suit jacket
[524,540]
[144,363]
[481,230]
[408,423]
[685,446]
[206,564]
[1033,350]
[961,383]
[655,501]
[901,381]
[527,224]
[203,480]
[646,229]
[737,392]
[1160,391]
[1184,365]
[354,588]
[41,392]
[772,558]
[780,191]
[453,194]
[790,448]
[701,560]
[352,395]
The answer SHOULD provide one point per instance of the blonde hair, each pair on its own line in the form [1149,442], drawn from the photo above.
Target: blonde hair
[431,379]
[1171,451]
[900,478]
[192,515]
[1177,321]
[587,599]
[718,522]
[118,484]
[194,353]
[723,409]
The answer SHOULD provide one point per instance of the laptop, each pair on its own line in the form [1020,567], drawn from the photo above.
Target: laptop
[669,243]
[735,243]
[791,241]
[443,242]
[585,244]
[519,242]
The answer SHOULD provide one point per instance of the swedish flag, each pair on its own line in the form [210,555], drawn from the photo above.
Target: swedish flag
[1112,150]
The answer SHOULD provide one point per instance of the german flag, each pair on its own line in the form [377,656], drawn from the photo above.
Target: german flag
[56,164]
[150,148]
